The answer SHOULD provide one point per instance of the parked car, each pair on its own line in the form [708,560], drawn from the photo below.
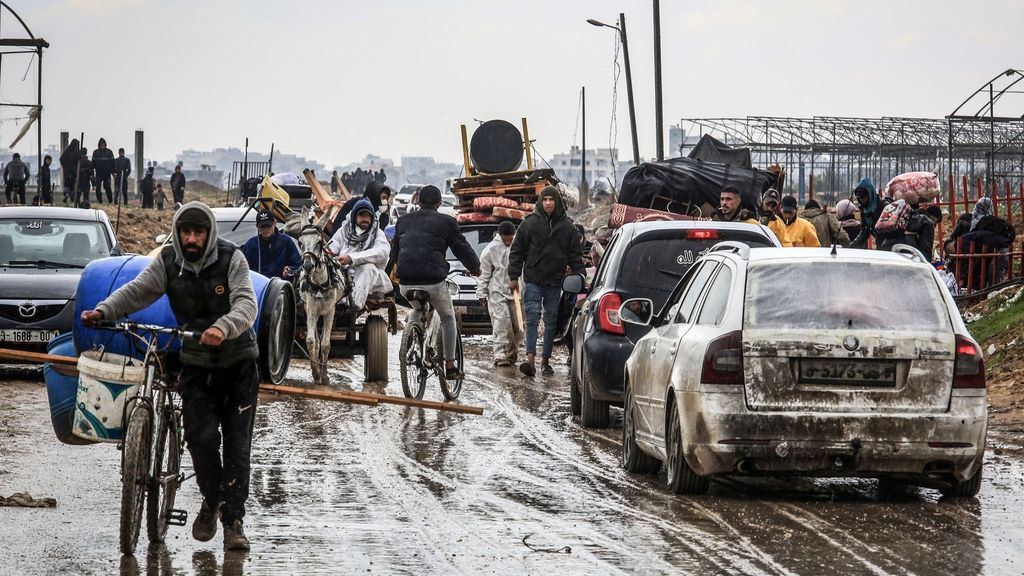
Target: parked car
[806,361]
[42,253]
[472,317]
[642,260]
[401,204]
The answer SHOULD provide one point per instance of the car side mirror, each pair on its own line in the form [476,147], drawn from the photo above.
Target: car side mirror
[637,311]
[116,250]
[573,284]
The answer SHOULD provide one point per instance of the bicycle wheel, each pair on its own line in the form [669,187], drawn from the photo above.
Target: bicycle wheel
[163,486]
[410,358]
[452,388]
[134,475]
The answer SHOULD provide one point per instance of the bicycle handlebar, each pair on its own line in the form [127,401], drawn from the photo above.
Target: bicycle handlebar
[151,328]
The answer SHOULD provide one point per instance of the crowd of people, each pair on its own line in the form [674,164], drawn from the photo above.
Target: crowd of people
[83,174]
[358,179]
[884,223]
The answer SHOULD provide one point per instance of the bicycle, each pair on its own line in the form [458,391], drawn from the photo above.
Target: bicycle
[151,446]
[422,350]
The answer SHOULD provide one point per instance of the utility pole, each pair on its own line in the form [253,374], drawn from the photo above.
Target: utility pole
[629,79]
[660,137]
[584,187]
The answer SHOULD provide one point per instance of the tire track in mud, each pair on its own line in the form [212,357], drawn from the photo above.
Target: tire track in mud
[535,430]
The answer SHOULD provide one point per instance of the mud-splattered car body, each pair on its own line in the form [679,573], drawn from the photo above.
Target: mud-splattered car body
[807,361]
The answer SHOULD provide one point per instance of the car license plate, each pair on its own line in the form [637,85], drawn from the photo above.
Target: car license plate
[8,336]
[850,372]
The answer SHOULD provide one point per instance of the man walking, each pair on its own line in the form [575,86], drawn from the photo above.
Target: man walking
[826,225]
[493,293]
[545,245]
[793,231]
[122,169]
[45,183]
[15,176]
[207,284]
[178,185]
[729,207]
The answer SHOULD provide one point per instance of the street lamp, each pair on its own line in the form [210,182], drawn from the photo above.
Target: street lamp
[629,78]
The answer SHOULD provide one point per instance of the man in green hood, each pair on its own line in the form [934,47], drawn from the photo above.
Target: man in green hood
[546,244]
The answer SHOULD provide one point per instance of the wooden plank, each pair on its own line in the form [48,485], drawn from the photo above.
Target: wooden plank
[341,186]
[319,394]
[38,357]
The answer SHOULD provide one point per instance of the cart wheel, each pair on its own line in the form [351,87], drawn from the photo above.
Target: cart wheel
[277,331]
[375,366]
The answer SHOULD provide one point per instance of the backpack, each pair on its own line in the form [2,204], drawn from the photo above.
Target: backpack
[894,217]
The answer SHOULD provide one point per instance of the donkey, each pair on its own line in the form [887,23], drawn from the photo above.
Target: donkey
[321,286]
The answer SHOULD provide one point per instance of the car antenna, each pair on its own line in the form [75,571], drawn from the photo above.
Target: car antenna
[833,253]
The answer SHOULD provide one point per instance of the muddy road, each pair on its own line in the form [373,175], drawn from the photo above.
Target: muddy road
[522,489]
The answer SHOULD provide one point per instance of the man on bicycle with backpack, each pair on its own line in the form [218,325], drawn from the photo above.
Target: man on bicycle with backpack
[207,284]
[419,248]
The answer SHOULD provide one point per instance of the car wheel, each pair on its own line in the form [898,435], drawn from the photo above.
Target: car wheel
[680,477]
[574,392]
[633,459]
[966,489]
[593,413]
[375,365]
[277,330]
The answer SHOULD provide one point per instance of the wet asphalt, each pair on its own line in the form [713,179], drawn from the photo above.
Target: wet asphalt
[345,489]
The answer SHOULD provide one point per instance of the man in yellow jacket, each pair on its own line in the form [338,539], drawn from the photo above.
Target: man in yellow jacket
[793,231]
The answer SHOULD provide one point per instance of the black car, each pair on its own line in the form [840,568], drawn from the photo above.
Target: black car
[42,253]
[643,260]
[472,317]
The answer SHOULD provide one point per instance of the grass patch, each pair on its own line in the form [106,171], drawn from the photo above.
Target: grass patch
[991,325]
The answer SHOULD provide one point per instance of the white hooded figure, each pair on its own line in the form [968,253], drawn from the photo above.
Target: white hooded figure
[362,247]
[492,291]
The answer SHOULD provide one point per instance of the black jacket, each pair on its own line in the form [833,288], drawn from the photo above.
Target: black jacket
[103,162]
[422,239]
[122,169]
[545,246]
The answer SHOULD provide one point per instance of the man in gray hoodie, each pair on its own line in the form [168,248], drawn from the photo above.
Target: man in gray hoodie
[207,284]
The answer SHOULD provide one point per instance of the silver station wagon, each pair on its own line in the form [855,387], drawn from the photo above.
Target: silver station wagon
[808,361]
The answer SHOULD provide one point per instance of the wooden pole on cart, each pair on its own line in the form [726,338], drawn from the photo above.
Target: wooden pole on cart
[465,152]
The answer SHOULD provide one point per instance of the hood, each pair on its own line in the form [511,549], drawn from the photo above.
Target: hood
[362,203]
[45,284]
[868,185]
[211,239]
[559,203]
[844,209]
[814,212]
[372,193]
[102,143]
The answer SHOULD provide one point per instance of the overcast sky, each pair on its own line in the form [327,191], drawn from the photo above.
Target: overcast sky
[335,80]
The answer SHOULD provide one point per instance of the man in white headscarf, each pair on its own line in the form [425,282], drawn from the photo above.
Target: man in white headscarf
[361,246]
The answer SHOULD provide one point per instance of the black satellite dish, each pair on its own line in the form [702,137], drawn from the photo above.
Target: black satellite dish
[496,146]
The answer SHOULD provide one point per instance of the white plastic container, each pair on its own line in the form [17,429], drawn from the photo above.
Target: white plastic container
[103,388]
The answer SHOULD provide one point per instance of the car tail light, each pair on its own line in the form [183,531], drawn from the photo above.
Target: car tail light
[608,314]
[723,360]
[702,234]
[969,365]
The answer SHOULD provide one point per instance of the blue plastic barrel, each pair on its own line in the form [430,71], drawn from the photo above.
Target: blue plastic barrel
[104,276]
[62,389]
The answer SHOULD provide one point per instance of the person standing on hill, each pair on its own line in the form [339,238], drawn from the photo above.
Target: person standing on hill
[546,244]
[45,183]
[69,166]
[178,185]
[122,169]
[103,164]
[85,178]
[146,187]
[15,176]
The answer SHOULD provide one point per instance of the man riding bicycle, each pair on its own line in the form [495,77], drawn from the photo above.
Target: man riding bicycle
[422,239]
[207,283]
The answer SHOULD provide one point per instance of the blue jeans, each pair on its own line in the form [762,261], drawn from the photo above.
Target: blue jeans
[535,299]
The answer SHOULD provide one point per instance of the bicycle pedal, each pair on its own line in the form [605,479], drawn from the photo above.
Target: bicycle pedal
[177,517]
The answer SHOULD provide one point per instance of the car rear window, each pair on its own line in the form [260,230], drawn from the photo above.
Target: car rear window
[830,295]
[653,264]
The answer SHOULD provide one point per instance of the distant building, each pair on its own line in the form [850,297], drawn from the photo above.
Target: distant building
[603,167]
[679,143]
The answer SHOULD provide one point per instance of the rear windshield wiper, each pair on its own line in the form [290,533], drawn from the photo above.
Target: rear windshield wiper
[672,273]
[43,264]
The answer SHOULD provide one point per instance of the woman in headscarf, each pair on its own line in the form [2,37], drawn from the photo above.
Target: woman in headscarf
[982,208]
[870,209]
[845,212]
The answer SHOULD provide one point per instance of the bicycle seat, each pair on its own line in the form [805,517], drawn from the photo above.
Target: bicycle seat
[418,295]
